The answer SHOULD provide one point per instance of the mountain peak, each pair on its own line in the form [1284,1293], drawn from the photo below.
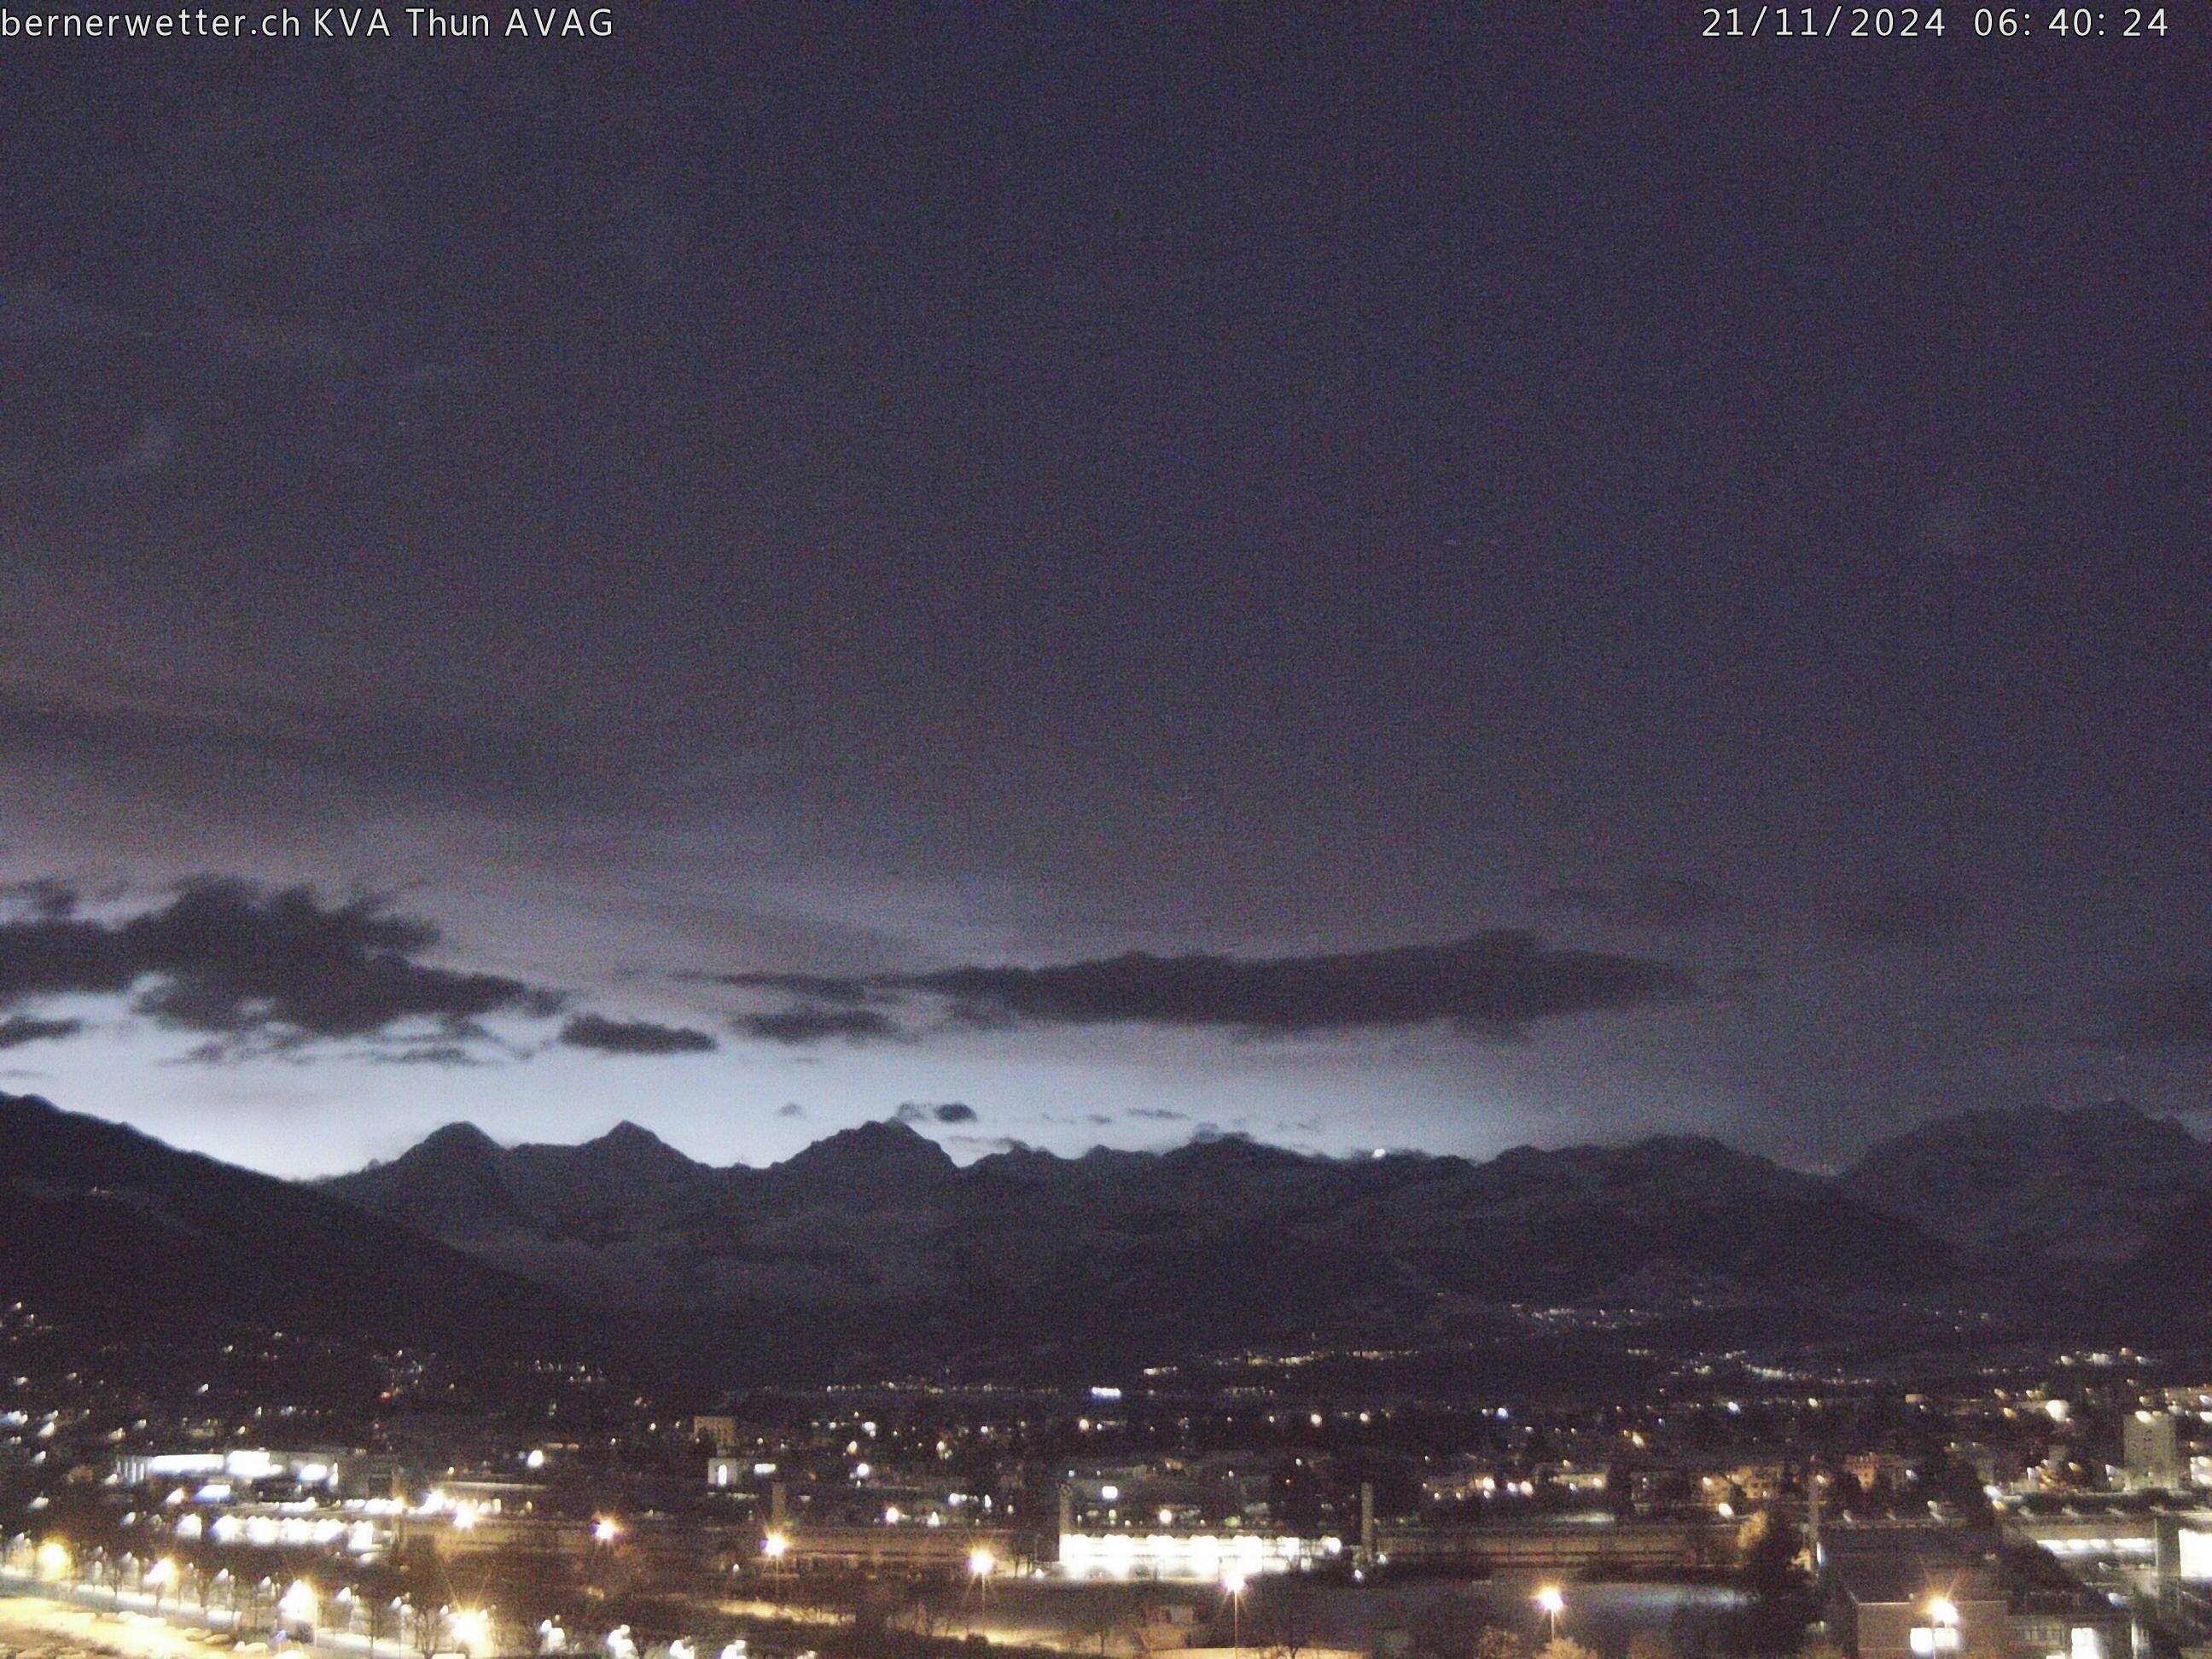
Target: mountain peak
[453,1141]
[635,1147]
[2084,1181]
[628,1134]
[1236,1151]
[870,1151]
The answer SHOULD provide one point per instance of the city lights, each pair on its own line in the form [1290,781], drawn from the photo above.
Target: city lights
[298,1604]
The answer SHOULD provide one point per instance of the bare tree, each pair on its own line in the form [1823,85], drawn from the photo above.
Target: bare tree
[1495,1642]
[1285,1623]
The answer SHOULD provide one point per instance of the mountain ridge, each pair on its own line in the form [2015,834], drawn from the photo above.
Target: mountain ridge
[108,1223]
[879,1211]
[873,1253]
[2082,1184]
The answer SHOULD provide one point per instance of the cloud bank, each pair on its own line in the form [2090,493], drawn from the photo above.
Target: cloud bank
[258,971]
[1496,984]
[634,1036]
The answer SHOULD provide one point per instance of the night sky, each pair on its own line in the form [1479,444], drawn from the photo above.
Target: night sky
[1435,576]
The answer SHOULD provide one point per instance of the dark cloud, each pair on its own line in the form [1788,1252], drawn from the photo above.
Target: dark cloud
[1159,1114]
[1647,902]
[261,969]
[803,1025]
[453,1054]
[1905,915]
[1494,984]
[16,1029]
[814,987]
[791,1109]
[2161,1013]
[634,1036]
[952,1111]
[45,898]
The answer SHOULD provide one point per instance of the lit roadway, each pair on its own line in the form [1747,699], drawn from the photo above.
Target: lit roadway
[34,1614]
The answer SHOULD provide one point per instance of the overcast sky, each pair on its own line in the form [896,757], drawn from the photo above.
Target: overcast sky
[1439,577]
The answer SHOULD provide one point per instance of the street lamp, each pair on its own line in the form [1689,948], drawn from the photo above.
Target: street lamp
[1553,1604]
[1939,1635]
[981,1564]
[1232,1581]
[470,1628]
